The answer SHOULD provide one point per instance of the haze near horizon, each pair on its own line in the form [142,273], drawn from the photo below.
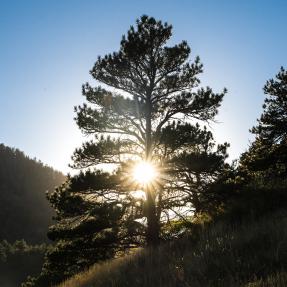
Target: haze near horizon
[48,48]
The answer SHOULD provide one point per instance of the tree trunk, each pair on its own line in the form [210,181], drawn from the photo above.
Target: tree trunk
[152,233]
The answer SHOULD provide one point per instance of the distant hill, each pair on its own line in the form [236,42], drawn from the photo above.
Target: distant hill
[24,209]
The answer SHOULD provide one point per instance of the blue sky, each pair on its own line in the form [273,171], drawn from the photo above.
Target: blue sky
[48,47]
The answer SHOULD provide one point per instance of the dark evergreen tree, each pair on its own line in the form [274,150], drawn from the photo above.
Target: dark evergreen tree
[258,185]
[91,226]
[272,125]
[160,86]
[266,159]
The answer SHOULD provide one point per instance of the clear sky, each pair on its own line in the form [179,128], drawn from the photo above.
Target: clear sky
[48,47]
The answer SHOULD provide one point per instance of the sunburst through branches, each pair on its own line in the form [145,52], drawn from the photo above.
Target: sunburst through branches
[141,176]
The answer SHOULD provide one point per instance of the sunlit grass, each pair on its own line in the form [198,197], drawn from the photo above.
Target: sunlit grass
[274,280]
[213,256]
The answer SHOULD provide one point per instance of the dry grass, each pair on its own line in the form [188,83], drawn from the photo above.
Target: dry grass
[276,280]
[218,256]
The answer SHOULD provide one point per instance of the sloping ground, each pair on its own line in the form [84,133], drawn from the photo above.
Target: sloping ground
[276,280]
[252,255]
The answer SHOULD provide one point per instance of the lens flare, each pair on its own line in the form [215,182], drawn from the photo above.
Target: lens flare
[144,173]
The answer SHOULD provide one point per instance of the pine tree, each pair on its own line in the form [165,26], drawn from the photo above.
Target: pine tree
[266,159]
[89,228]
[154,85]
[272,125]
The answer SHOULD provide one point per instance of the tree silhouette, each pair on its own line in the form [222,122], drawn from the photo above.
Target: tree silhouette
[266,159]
[154,86]
[256,186]
[272,125]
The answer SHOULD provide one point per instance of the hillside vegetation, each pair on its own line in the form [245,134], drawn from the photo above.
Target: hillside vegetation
[25,214]
[19,259]
[24,211]
[252,254]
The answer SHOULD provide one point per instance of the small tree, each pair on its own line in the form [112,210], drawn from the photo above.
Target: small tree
[272,125]
[266,158]
[89,227]
[257,185]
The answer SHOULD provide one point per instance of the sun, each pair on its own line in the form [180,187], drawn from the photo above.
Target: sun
[144,173]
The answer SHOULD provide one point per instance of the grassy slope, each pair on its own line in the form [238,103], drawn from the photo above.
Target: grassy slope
[253,255]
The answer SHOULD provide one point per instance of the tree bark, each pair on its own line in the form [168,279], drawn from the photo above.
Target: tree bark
[152,232]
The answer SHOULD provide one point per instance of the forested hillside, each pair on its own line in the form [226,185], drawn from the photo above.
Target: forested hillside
[24,211]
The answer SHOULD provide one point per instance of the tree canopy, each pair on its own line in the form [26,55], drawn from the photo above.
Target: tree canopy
[155,95]
[266,158]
